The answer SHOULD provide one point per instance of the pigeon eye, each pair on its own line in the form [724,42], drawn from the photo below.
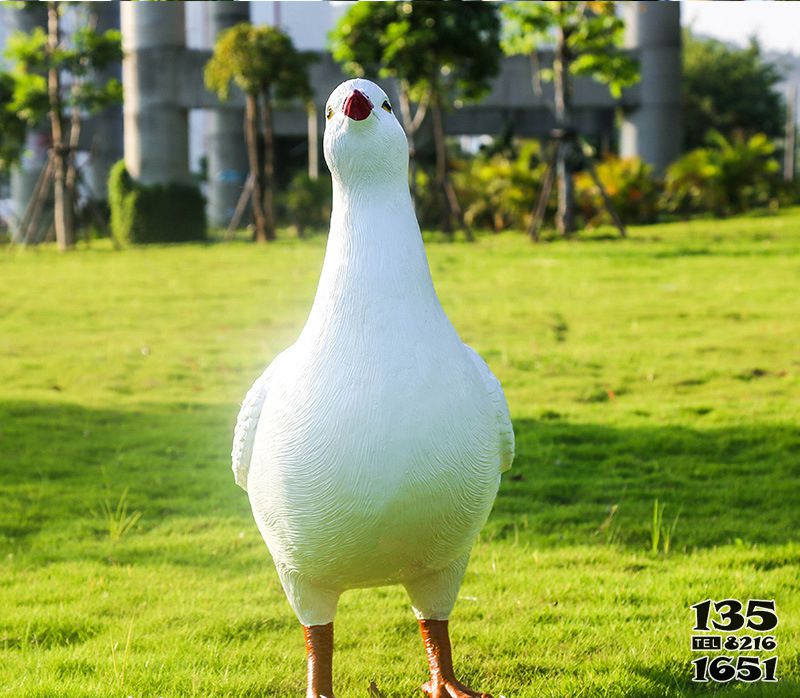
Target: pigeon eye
[329,113]
[386,106]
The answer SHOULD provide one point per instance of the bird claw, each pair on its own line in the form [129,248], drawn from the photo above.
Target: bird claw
[450,689]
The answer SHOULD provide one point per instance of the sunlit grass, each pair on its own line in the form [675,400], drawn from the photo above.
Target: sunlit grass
[662,371]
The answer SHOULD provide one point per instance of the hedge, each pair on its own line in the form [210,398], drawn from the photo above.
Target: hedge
[141,214]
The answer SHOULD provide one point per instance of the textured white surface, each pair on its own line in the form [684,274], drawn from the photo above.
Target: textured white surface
[372,448]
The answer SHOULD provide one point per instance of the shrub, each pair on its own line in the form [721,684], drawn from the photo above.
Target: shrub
[307,202]
[427,202]
[173,212]
[726,177]
[629,183]
[499,191]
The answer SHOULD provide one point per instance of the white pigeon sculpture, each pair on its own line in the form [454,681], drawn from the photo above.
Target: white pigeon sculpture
[372,448]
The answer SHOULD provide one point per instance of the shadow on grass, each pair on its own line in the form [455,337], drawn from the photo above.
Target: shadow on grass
[722,483]
[60,462]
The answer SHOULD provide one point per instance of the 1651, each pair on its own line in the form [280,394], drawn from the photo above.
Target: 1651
[723,669]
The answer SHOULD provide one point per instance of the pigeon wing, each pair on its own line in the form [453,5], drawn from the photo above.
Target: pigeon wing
[244,434]
[495,390]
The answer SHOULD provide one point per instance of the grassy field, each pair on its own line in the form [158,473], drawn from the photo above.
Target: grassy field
[665,367]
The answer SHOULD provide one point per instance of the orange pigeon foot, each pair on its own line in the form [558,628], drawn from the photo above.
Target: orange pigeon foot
[443,683]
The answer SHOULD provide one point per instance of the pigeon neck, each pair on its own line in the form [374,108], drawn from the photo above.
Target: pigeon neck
[375,259]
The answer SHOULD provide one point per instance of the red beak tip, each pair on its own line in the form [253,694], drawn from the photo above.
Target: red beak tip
[357,106]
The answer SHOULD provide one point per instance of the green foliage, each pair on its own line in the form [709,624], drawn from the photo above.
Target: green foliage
[12,126]
[593,36]
[28,52]
[258,60]
[173,212]
[360,38]
[92,50]
[629,183]
[307,202]
[727,176]
[79,55]
[499,191]
[450,49]
[728,89]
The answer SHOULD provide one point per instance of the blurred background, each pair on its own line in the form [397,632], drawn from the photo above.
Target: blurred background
[674,109]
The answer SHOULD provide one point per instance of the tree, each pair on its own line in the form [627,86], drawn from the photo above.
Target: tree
[587,38]
[264,64]
[441,53]
[12,126]
[728,90]
[42,61]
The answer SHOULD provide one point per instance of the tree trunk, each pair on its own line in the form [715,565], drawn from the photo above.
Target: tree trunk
[565,216]
[411,124]
[71,179]
[450,211]
[256,173]
[791,132]
[269,165]
[313,142]
[62,208]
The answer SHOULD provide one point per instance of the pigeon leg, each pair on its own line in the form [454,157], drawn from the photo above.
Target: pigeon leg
[319,655]
[443,682]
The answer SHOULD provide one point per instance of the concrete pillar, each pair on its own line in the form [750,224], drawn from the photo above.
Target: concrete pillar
[37,141]
[156,126]
[653,131]
[106,145]
[227,151]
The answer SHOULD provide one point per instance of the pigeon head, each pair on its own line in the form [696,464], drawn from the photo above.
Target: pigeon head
[364,141]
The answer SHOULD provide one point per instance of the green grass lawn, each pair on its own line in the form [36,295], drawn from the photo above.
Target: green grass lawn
[662,367]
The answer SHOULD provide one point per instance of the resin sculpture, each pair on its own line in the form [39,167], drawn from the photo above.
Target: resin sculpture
[372,448]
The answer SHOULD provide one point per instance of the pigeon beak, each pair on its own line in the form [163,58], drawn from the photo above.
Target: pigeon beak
[357,106]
